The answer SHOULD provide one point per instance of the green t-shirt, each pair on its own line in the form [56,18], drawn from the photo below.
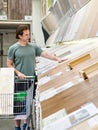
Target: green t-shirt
[24,57]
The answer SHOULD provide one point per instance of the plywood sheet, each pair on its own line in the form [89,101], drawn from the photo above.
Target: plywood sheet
[73,27]
[6,90]
[82,24]
[19,8]
[88,20]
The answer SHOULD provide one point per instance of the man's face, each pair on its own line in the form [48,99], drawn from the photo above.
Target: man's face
[25,37]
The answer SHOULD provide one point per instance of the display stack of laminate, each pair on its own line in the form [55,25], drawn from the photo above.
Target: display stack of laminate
[69,86]
[89,124]
[82,22]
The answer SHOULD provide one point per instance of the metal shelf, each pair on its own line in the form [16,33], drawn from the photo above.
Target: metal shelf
[12,24]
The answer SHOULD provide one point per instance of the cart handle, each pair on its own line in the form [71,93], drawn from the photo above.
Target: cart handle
[31,77]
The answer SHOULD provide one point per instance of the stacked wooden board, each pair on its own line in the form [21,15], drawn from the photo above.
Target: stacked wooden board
[83,24]
[73,83]
[6,91]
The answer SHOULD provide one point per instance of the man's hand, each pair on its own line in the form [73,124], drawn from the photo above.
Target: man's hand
[21,75]
[61,59]
[52,57]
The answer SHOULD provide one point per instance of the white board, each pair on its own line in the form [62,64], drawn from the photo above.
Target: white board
[6,90]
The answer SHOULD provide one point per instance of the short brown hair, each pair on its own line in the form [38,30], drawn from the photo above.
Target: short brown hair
[20,29]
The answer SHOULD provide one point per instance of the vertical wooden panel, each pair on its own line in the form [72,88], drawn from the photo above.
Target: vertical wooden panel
[17,9]
[21,7]
[12,9]
[8,15]
[28,10]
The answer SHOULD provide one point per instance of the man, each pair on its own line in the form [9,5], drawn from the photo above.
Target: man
[21,56]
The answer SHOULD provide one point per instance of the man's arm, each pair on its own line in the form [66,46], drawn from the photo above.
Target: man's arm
[11,64]
[52,57]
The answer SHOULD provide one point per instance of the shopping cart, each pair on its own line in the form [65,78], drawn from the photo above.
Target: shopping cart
[20,101]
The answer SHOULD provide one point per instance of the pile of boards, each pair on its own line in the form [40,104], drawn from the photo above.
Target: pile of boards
[65,88]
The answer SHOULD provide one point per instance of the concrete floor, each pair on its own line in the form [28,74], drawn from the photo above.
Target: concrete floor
[9,124]
[6,124]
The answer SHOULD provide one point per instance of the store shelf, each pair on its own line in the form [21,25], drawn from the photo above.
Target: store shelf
[12,24]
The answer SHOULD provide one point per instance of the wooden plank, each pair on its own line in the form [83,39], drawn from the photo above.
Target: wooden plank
[82,46]
[6,91]
[64,67]
[28,9]
[84,73]
[89,124]
[65,77]
[72,98]
[58,100]
[91,13]
[78,30]
[78,60]
[11,8]
[20,8]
